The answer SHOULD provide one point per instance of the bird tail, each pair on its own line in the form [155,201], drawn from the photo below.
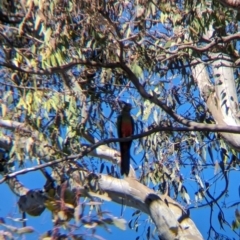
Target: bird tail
[125,161]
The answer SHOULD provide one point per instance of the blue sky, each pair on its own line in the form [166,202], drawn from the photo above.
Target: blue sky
[35,180]
[43,223]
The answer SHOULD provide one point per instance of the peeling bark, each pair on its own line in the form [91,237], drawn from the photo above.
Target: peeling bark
[231,3]
[170,218]
[220,96]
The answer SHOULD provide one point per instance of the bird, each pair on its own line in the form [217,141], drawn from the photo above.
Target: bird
[125,128]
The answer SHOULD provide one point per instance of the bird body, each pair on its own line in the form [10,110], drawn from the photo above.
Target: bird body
[125,126]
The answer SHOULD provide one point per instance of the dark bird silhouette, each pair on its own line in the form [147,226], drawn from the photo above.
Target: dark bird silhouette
[125,127]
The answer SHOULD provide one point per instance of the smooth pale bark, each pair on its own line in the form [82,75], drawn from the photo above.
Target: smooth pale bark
[170,218]
[231,4]
[105,152]
[220,96]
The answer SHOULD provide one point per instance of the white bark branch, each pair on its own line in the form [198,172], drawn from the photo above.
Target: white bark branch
[221,98]
[171,220]
[231,4]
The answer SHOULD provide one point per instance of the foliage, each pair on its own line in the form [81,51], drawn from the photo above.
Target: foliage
[66,64]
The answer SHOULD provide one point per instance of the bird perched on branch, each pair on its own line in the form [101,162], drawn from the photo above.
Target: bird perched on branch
[125,127]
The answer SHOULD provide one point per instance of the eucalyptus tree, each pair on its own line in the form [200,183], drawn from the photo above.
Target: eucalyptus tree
[66,66]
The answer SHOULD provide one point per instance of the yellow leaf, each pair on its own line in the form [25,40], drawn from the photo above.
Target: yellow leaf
[25,230]
[4,109]
[29,145]
[120,223]
[90,225]
[62,215]
[51,205]
[68,205]
[47,35]
[29,97]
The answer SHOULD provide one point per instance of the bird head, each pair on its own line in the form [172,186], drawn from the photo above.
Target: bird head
[127,107]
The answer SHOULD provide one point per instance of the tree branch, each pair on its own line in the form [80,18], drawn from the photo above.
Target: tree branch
[63,68]
[171,220]
[88,150]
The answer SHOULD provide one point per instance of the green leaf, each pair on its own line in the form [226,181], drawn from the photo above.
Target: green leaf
[47,35]
[168,44]
[137,70]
